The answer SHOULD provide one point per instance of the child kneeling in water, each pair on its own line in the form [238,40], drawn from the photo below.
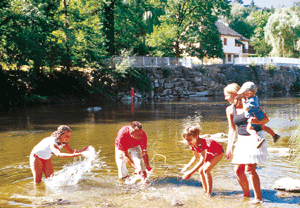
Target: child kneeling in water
[208,151]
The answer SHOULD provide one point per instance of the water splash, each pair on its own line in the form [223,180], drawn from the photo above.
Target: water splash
[192,121]
[72,173]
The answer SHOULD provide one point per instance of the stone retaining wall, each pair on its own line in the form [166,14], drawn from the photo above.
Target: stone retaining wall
[210,80]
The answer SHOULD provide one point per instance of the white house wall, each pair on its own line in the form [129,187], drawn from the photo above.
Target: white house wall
[230,46]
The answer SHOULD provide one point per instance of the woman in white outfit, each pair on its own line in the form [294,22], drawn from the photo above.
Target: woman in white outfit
[40,157]
[245,155]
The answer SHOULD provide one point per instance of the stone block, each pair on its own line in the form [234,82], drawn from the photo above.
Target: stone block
[168,85]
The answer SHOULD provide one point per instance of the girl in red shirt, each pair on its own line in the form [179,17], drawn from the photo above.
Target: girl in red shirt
[208,151]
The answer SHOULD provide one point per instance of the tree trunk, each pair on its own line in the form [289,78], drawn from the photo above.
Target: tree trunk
[109,27]
[66,62]
[177,52]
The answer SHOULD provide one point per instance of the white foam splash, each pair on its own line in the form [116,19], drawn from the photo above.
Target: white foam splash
[72,173]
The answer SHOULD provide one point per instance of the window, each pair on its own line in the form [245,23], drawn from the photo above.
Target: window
[225,41]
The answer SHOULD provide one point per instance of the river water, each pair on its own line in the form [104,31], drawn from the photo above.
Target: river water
[91,180]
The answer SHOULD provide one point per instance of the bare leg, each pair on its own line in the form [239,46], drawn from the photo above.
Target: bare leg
[36,166]
[254,178]
[203,179]
[48,169]
[207,167]
[268,130]
[242,179]
[271,132]
[251,131]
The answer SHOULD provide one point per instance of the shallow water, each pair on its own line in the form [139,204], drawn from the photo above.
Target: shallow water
[92,181]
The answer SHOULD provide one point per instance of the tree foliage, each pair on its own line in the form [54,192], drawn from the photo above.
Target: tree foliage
[181,16]
[238,20]
[283,32]
[258,20]
[51,34]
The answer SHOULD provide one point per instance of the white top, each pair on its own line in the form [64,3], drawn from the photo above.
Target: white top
[43,150]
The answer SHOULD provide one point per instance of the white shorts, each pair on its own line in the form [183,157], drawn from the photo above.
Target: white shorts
[136,156]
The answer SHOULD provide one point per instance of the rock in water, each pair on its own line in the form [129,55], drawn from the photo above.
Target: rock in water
[287,184]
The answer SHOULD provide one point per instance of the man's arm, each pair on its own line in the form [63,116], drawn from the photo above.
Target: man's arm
[146,159]
[128,159]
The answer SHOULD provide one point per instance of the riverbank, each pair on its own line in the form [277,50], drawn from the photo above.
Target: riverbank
[24,88]
[210,80]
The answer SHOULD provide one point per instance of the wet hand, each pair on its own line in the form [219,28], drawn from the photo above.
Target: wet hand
[229,154]
[149,170]
[84,149]
[76,154]
[186,176]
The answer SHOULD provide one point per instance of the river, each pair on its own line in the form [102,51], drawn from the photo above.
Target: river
[91,181]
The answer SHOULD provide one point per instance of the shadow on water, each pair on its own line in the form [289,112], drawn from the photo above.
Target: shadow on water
[177,181]
[279,197]
[270,197]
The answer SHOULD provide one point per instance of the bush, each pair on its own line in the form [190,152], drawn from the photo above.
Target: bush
[166,73]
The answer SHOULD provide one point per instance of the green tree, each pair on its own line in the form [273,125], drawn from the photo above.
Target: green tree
[206,43]
[130,27]
[161,40]
[25,34]
[237,19]
[52,33]
[179,17]
[124,25]
[85,33]
[282,32]
[258,20]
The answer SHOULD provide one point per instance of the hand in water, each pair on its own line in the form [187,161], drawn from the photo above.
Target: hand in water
[84,149]
[186,176]
[149,170]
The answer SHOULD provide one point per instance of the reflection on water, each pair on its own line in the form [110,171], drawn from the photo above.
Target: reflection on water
[92,180]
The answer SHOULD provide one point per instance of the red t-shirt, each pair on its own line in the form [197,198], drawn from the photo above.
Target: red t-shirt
[213,148]
[125,141]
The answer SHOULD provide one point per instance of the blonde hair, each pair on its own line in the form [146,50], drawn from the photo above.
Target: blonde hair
[61,130]
[191,130]
[233,88]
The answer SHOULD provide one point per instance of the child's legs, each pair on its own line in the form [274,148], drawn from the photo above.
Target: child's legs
[207,167]
[202,178]
[268,130]
[251,131]
[36,166]
[48,168]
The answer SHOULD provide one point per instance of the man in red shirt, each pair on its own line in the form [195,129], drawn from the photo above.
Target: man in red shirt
[132,139]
